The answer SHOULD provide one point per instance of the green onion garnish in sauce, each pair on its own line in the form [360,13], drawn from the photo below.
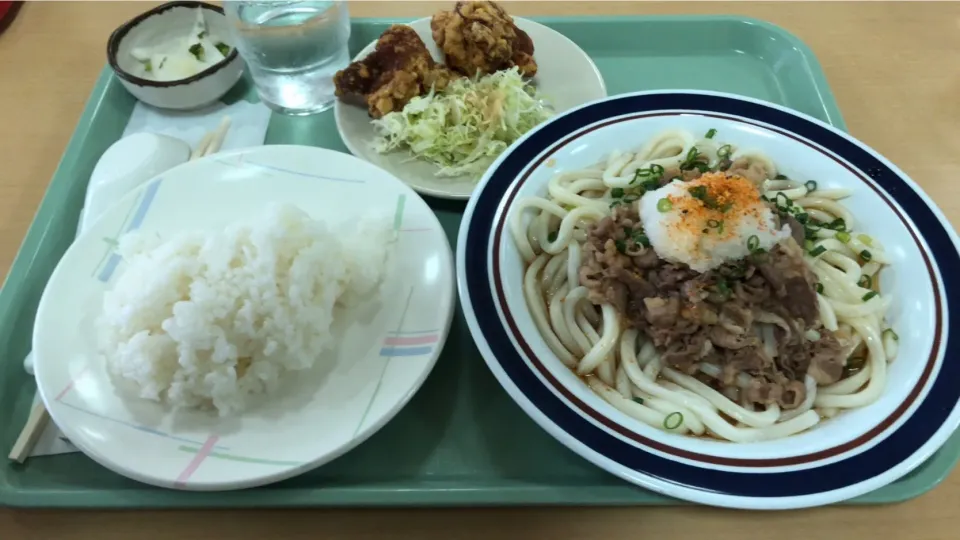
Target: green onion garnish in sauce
[819,288]
[197,51]
[811,185]
[711,133]
[819,250]
[865,281]
[869,295]
[664,205]
[866,255]
[724,151]
[889,332]
[641,239]
[616,192]
[843,236]
[223,48]
[753,242]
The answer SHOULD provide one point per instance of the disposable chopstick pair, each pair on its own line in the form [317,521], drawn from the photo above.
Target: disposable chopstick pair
[212,141]
[39,417]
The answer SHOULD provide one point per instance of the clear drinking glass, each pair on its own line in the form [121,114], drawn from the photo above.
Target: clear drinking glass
[292,49]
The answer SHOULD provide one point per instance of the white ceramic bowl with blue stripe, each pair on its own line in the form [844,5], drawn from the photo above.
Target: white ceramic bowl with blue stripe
[384,350]
[841,457]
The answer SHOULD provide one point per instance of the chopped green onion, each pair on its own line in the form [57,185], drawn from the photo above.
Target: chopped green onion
[811,185]
[664,205]
[866,255]
[650,185]
[147,66]
[723,289]
[780,177]
[700,166]
[638,400]
[673,420]
[865,239]
[223,48]
[552,237]
[621,245]
[655,170]
[869,295]
[616,202]
[891,333]
[202,34]
[698,192]
[641,239]
[783,200]
[819,288]
[856,362]
[865,281]
[819,250]
[808,244]
[692,155]
[838,225]
[843,236]
[802,217]
[616,192]
[724,151]
[711,133]
[753,243]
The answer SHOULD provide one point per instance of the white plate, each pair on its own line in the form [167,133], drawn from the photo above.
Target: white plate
[855,452]
[388,345]
[566,76]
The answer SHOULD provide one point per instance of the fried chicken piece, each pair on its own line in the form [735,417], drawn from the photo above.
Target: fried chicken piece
[481,38]
[399,69]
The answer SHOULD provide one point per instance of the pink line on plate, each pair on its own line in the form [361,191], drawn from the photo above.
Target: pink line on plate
[418,340]
[70,385]
[196,461]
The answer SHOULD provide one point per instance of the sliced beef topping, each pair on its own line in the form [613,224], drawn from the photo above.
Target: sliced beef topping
[716,317]
[791,281]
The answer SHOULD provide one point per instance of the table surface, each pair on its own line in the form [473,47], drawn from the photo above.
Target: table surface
[894,68]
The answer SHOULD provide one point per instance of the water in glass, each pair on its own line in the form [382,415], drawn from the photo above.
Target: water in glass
[292,49]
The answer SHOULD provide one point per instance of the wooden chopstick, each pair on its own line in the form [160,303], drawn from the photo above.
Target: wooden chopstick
[39,417]
[212,141]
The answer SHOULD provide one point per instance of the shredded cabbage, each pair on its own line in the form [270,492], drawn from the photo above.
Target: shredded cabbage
[466,126]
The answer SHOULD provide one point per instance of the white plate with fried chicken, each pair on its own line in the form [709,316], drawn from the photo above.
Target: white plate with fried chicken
[436,101]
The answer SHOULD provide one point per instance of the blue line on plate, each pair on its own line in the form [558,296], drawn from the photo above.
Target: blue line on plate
[404,351]
[298,173]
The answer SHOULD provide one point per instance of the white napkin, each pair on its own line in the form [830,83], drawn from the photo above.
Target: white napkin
[248,127]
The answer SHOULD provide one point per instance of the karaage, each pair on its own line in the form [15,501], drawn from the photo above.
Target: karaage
[481,38]
[398,70]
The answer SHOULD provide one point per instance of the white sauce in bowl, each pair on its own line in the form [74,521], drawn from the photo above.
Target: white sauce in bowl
[177,57]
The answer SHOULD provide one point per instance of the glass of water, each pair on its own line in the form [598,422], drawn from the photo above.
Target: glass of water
[292,49]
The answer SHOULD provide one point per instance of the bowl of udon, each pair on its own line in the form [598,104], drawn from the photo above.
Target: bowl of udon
[716,298]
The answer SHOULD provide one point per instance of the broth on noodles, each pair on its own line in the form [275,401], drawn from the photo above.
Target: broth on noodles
[699,291]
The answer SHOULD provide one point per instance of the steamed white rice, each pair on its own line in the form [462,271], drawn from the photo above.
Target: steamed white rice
[211,318]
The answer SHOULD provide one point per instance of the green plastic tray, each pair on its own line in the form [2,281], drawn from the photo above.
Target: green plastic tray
[461,440]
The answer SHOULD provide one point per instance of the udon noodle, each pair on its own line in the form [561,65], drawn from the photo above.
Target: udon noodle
[620,362]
